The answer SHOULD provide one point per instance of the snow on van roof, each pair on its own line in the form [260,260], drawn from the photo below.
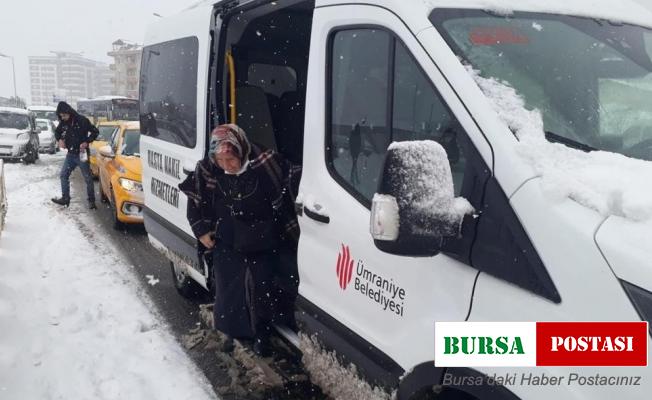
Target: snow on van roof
[42,108]
[609,183]
[14,110]
[103,98]
[620,11]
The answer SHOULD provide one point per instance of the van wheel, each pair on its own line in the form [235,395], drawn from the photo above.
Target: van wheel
[441,394]
[117,224]
[184,284]
[30,157]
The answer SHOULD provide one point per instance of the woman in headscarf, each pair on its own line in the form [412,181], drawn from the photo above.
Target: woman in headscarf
[241,209]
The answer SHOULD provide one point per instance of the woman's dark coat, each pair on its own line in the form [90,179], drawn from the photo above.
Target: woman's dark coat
[246,293]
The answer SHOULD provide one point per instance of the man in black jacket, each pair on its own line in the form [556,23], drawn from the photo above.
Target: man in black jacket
[74,133]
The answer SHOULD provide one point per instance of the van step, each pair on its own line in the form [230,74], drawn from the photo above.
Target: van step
[289,335]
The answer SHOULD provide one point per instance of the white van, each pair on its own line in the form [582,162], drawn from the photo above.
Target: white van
[46,112]
[553,231]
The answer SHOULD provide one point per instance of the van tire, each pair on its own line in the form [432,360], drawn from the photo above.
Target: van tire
[184,284]
[442,393]
[30,157]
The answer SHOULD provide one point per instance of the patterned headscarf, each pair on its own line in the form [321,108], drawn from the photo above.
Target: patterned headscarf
[229,138]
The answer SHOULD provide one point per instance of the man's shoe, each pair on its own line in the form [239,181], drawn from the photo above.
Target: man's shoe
[62,201]
[91,205]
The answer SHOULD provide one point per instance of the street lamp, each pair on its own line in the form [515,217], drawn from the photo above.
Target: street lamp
[13,69]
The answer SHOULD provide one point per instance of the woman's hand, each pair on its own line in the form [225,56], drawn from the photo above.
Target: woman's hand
[207,241]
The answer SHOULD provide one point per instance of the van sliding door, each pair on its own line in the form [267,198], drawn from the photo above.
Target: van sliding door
[174,83]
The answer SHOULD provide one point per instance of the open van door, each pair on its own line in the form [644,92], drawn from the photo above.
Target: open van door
[174,87]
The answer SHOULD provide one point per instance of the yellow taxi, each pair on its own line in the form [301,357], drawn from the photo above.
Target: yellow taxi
[106,129]
[120,175]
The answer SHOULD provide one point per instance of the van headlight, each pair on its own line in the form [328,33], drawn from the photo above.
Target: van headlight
[23,136]
[131,186]
[642,300]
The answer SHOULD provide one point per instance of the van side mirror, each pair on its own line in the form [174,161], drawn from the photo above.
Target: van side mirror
[37,130]
[415,207]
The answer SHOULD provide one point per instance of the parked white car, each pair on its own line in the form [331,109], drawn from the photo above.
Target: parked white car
[47,142]
[18,135]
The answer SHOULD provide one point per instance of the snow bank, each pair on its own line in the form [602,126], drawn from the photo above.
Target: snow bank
[73,323]
[609,183]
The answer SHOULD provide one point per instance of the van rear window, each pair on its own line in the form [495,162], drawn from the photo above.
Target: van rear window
[168,91]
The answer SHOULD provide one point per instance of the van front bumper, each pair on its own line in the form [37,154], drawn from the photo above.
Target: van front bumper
[13,151]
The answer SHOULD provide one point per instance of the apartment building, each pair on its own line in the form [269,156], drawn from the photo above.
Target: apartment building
[67,76]
[126,68]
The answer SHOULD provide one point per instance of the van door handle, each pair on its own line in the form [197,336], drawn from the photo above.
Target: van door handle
[316,216]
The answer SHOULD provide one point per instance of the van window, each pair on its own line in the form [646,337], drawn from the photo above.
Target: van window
[168,91]
[359,132]
[420,114]
[45,126]
[365,63]
[14,120]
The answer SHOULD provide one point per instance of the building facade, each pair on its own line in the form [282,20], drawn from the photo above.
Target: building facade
[67,76]
[126,68]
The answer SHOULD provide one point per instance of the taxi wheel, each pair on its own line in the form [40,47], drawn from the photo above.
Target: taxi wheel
[184,284]
[117,224]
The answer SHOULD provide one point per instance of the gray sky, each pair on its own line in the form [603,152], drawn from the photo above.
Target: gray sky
[35,27]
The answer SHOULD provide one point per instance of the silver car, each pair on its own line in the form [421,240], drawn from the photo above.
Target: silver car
[47,142]
[18,135]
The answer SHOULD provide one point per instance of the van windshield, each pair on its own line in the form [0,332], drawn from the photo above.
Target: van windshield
[44,125]
[51,115]
[14,121]
[591,79]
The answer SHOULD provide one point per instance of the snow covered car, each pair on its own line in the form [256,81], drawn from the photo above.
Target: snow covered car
[18,135]
[120,172]
[534,204]
[47,141]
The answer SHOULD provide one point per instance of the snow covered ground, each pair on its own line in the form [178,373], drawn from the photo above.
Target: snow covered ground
[73,324]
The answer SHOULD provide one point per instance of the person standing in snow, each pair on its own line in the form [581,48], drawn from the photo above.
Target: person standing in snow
[74,132]
[241,209]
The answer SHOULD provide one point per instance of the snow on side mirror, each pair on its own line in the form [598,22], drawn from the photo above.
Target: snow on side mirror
[415,207]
